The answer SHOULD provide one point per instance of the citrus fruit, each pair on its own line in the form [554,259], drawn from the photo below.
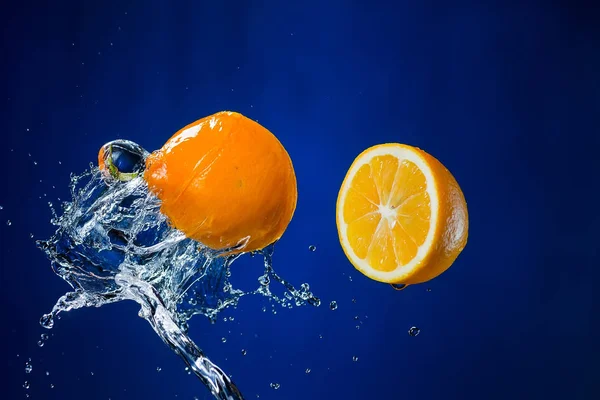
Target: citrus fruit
[401,216]
[225,181]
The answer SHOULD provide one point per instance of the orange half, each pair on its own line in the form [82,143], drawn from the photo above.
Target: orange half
[401,216]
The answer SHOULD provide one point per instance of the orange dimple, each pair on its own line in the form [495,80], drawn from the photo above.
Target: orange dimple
[225,180]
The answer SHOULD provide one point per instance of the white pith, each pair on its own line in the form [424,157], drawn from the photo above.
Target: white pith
[401,153]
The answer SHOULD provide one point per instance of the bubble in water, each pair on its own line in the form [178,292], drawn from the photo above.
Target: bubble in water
[244,352]
[355,358]
[47,373]
[428,289]
[224,340]
[1,208]
[51,386]
[28,368]
[44,336]
[158,369]
[307,370]
[9,222]
[333,305]
[414,331]
[31,236]
[312,247]
[275,386]
[26,385]
[40,343]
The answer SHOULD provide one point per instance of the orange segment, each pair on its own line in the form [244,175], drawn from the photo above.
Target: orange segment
[401,215]
[359,229]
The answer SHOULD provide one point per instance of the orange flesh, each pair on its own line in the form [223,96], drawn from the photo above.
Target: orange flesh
[387,207]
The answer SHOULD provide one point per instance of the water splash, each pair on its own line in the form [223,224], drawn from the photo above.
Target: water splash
[113,244]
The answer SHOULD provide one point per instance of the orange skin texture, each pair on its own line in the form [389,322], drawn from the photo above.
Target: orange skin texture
[229,183]
[101,164]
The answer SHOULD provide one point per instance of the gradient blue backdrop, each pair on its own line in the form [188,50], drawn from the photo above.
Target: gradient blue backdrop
[506,95]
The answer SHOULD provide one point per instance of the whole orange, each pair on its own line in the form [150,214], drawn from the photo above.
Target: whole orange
[225,181]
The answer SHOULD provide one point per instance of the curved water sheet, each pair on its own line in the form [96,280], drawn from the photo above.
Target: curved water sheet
[113,244]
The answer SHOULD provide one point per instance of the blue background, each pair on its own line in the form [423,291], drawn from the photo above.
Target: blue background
[506,95]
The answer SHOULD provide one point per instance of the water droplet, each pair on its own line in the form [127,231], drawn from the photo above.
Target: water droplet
[28,368]
[244,352]
[47,373]
[35,163]
[26,385]
[314,301]
[1,208]
[320,336]
[333,305]
[158,369]
[47,321]
[40,343]
[193,301]
[275,386]
[51,386]
[264,280]
[9,222]
[231,318]
[92,373]
[312,247]
[44,336]
[224,340]
[357,326]
[307,370]
[429,289]
[355,358]
[31,236]
[414,331]
[354,301]
[350,277]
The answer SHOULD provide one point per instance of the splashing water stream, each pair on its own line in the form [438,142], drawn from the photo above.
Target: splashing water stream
[113,244]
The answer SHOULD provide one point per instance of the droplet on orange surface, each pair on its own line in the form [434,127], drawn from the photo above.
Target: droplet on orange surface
[225,181]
